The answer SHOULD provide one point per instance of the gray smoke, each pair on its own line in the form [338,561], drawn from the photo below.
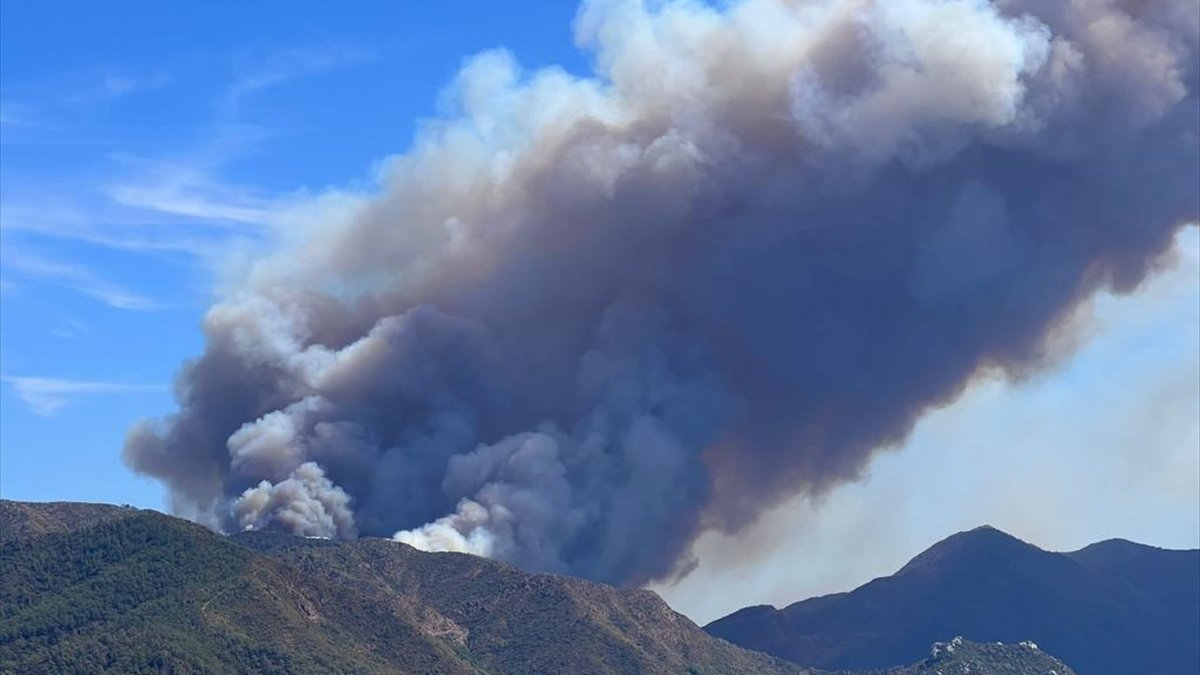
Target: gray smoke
[585,319]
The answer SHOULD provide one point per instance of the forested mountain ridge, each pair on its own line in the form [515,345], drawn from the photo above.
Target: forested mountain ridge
[90,588]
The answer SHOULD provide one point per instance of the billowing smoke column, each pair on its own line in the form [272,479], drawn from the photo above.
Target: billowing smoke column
[586,319]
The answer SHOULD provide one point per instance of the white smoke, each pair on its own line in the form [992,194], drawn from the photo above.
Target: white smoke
[305,503]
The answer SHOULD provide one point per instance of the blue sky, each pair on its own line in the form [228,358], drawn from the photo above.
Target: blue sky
[144,146]
[141,143]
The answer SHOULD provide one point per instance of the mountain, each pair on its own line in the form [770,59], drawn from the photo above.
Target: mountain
[511,621]
[94,588]
[19,520]
[122,590]
[962,657]
[1162,572]
[1112,608]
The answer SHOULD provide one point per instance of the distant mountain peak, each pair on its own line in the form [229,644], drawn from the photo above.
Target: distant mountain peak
[1118,544]
[1112,608]
[969,547]
[983,532]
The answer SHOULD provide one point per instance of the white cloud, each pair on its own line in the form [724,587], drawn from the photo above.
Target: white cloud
[39,104]
[158,205]
[70,215]
[190,192]
[79,279]
[290,65]
[47,395]
[115,84]
[111,84]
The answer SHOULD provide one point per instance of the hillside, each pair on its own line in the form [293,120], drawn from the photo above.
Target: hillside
[512,621]
[1112,608]
[137,591]
[22,520]
[91,588]
[98,588]
[962,657]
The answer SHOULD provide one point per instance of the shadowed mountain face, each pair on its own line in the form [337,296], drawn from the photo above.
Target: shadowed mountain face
[1114,607]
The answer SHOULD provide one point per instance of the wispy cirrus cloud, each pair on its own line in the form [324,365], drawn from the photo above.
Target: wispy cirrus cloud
[115,84]
[288,65]
[77,278]
[106,84]
[147,215]
[40,105]
[177,204]
[48,395]
[191,192]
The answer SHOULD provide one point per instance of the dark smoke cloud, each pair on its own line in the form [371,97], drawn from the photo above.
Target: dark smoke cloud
[586,319]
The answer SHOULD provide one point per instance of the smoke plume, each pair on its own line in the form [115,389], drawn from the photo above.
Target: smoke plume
[585,319]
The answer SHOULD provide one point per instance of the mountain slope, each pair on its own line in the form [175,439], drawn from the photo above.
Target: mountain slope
[23,520]
[91,588]
[1103,611]
[512,621]
[142,592]
[1162,572]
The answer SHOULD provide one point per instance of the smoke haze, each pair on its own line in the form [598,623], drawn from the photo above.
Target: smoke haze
[585,319]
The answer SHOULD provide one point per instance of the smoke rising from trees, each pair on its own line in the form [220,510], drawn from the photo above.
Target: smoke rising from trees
[585,319]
